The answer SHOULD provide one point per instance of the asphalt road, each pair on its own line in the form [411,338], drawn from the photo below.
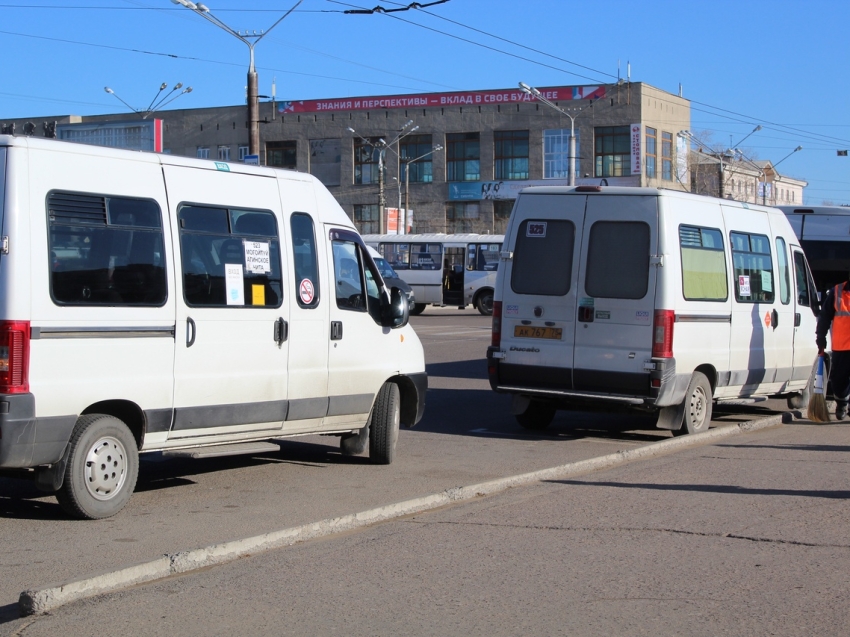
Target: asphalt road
[467,436]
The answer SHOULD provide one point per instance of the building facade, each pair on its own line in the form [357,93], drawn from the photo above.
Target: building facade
[453,161]
[731,176]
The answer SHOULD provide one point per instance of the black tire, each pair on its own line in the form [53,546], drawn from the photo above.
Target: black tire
[384,423]
[484,302]
[90,491]
[418,308]
[698,406]
[537,416]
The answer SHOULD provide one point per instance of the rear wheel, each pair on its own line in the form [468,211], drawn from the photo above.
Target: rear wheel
[103,464]
[484,302]
[698,406]
[418,308]
[384,423]
[537,416]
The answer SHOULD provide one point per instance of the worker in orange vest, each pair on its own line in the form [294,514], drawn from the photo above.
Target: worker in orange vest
[836,312]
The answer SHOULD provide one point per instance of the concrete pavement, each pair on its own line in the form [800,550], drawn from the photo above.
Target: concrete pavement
[745,536]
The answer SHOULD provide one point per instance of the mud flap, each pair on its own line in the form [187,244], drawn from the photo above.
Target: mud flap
[671,417]
[51,478]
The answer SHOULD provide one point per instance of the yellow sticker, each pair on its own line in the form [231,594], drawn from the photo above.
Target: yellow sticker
[258,294]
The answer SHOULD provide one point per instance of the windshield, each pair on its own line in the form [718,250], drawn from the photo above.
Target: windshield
[385,268]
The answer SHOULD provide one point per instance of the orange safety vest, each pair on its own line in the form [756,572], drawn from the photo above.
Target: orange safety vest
[841,322]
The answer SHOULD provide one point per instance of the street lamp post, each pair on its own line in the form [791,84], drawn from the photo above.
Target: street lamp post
[530,90]
[250,40]
[407,163]
[153,107]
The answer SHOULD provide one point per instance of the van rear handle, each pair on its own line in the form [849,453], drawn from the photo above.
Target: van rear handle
[190,332]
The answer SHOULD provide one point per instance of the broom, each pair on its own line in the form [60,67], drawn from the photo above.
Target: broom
[817,411]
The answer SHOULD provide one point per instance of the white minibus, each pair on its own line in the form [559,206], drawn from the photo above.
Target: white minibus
[153,303]
[651,300]
[444,269]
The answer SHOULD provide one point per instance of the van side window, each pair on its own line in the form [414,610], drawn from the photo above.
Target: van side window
[347,280]
[800,275]
[105,250]
[483,257]
[618,260]
[306,261]
[784,271]
[703,264]
[425,256]
[231,257]
[753,268]
[543,257]
[396,254]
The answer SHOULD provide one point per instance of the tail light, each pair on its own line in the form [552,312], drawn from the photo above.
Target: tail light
[14,357]
[497,324]
[662,330]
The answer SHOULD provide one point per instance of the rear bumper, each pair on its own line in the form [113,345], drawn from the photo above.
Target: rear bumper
[27,441]
[653,388]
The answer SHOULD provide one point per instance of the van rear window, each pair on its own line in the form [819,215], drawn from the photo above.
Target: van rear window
[618,260]
[543,257]
[105,250]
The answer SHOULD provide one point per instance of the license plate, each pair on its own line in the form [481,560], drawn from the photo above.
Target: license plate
[527,331]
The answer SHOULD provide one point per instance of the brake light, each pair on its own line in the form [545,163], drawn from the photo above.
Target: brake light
[497,324]
[662,331]
[14,357]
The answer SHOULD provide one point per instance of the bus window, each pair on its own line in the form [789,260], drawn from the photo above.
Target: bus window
[425,256]
[396,254]
[483,257]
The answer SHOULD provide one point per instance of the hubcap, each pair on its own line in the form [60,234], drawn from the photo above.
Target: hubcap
[106,468]
[698,408]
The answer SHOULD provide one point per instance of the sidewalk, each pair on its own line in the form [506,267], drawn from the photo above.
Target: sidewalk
[747,536]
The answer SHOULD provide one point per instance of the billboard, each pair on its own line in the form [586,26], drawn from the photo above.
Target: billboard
[145,134]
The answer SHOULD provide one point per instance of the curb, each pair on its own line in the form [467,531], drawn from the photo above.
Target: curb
[37,601]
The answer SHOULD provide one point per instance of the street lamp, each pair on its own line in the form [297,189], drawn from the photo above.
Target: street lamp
[152,108]
[407,181]
[539,96]
[250,41]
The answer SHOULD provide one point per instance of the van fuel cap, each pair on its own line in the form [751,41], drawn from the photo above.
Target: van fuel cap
[538,311]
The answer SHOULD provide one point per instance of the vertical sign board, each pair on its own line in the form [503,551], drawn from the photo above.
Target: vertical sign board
[637,163]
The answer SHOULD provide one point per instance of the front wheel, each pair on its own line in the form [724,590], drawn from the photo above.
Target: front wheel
[698,406]
[418,308]
[384,423]
[484,302]
[103,465]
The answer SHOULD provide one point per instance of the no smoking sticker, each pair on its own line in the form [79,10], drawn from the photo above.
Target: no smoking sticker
[306,291]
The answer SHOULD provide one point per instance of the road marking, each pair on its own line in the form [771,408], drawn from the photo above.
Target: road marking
[40,600]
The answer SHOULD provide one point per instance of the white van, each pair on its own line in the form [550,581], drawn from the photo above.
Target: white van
[158,303]
[444,269]
[647,299]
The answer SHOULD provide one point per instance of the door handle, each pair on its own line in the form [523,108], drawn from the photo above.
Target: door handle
[281,331]
[191,331]
[336,330]
[774,318]
[797,319]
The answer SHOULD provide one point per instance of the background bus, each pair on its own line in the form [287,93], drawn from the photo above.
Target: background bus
[824,234]
[444,269]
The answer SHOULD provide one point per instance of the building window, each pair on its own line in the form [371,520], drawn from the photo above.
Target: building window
[501,213]
[203,152]
[511,154]
[461,216]
[366,161]
[612,151]
[414,147]
[463,157]
[651,152]
[367,218]
[282,154]
[667,156]
[243,153]
[556,154]
[326,160]
[224,153]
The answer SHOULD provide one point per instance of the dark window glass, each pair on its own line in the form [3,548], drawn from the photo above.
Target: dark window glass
[366,160]
[784,271]
[543,257]
[703,264]
[367,218]
[348,280]
[483,257]
[501,214]
[753,268]
[419,148]
[612,151]
[231,257]
[667,156]
[306,261]
[396,254]
[463,157]
[802,279]
[425,256]
[618,260]
[105,250]
[511,154]
[282,154]
[651,151]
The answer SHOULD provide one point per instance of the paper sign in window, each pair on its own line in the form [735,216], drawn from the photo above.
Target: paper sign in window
[744,285]
[766,281]
[233,283]
[257,257]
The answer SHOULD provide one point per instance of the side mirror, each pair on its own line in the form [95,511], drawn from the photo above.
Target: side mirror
[395,313]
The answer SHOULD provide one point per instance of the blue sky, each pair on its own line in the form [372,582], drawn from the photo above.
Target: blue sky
[742,63]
